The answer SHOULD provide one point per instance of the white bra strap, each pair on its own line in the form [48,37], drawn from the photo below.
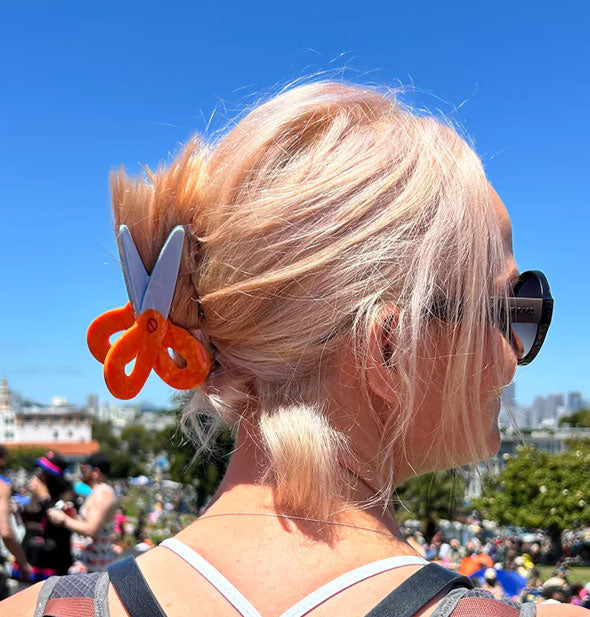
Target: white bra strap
[303,606]
[213,576]
[347,580]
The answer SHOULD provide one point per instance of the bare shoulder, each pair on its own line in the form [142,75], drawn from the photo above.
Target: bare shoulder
[103,489]
[561,610]
[4,489]
[103,494]
[22,604]
[107,489]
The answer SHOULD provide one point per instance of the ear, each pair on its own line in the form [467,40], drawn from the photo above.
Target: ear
[382,375]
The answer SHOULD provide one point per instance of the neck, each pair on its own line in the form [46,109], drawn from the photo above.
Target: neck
[244,491]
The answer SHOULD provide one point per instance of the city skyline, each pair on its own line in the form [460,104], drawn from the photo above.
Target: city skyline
[571,400]
[545,411]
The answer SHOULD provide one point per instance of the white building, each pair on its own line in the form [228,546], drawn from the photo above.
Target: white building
[156,422]
[119,417]
[59,426]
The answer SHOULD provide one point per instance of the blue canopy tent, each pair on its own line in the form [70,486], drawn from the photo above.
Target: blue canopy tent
[512,583]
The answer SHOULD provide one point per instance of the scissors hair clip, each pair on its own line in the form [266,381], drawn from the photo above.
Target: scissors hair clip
[147,333]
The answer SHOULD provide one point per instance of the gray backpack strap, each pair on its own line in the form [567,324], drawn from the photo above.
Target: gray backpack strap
[528,609]
[449,603]
[478,602]
[44,595]
[68,595]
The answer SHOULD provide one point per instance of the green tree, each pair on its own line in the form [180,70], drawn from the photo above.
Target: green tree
[103,433]
[541,490]
[179,452]
[124,462]
[24,458]
[129,453]
[124,465]
[205,472]
[430,498]
[578,418]
[578,443]
[137,439]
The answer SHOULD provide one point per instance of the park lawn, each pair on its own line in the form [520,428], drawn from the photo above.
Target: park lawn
[576,575]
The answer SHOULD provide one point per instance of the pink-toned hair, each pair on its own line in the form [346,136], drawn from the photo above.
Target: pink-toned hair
[320,206]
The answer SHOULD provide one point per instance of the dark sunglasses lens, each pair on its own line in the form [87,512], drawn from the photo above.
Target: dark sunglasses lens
[527,332]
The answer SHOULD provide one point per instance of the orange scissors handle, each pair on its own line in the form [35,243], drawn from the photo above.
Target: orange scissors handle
[104,326]
[142,342]
[194,353]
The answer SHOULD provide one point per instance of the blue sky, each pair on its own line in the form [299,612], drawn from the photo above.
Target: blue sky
[87,87]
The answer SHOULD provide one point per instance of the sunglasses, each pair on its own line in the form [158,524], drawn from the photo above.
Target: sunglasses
[524,318]
[531,309]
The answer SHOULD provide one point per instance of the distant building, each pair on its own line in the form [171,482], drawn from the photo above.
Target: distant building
[555,407]
[522,416]
[537,411]
[118,417]
[92,404]
[510,393]
[545,412]
[574,401]
[59,426]
[155,421]
[544,440]
[508,405]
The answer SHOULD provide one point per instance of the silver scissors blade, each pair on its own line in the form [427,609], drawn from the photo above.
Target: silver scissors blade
[134,272]
[162,281]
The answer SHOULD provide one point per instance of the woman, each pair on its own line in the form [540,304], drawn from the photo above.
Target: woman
[47,546]
[93,530]
[348,267]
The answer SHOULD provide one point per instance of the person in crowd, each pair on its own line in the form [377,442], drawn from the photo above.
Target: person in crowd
[575,591]
[498,550]
[533,591]
[412,540]
[93,530]
[46,544]
[556,594]
[491,583]
[7,531]
[120,526]
[138,532]
[548,555]
[558,579]
[455,555]
[344,301]
[432,552]
[474,559]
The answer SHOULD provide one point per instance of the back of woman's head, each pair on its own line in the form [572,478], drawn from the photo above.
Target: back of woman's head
[56,485]
[320,207]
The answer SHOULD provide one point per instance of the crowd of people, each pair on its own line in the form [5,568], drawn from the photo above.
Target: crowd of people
[52,525]
[508,564]
[56,521]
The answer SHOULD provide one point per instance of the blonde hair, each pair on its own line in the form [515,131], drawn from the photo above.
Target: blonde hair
[319,207]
